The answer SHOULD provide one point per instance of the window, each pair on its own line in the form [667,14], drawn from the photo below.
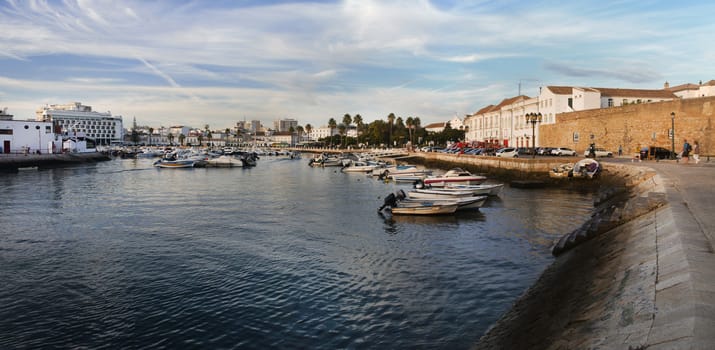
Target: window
[5,131]
[610,102]
[570,102]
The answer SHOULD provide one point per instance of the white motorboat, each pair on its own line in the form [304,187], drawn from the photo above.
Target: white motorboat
[174,163]
[359,167]
[437,194]
[423,209]
[455,176]
[224,162]
[490,189]
[463,202]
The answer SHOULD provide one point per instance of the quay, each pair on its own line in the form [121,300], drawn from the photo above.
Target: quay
[13,162]
[642,278]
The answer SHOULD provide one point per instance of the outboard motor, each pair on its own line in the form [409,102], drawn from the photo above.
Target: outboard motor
[419,184]
[390,201]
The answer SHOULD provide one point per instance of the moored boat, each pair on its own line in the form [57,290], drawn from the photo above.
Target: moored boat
[455,176]
[175,163]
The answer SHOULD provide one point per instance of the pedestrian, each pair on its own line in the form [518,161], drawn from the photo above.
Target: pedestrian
[696,151]
[686,151]
[620,150]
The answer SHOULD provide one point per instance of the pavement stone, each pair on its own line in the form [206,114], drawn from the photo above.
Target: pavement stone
[649,283]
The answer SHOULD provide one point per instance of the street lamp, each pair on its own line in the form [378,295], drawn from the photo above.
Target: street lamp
[533,118]
[672,136]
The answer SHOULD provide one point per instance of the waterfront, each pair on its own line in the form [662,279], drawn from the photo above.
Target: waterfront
[120,254]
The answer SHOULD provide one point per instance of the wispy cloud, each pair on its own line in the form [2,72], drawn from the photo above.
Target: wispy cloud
[313,60]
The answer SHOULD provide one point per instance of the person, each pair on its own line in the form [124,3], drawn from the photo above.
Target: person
[686,151]
[696,151]
[592,150]
[620,150]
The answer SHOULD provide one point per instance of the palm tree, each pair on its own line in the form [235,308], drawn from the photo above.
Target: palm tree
[409,122]
[342,129]
[228,133]
[308,129]
[390,119]
[200,138]
[358,121]
[332,124]
[347,120]
[182,137]
[300,131]
[171,139]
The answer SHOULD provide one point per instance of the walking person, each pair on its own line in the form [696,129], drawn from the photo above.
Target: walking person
[696,151]
[620,150]
[686,151]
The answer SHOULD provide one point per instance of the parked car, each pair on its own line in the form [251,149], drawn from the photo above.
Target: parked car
[508,152]
[525,151]
[563,151]
[544,151]
[600,152]
[661,153]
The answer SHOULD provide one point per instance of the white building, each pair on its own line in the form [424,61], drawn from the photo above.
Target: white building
[28,136]
[505,124]
[322,132]
[75,117]
[284,125]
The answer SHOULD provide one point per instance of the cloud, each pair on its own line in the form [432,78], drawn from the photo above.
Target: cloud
[630,74]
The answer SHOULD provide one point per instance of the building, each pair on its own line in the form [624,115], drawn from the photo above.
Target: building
[322,132]
[284,125]
[435,127]
[505,124]
[76,117]
[27,136]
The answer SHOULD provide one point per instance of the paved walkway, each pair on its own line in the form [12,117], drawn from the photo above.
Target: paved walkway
[648,284]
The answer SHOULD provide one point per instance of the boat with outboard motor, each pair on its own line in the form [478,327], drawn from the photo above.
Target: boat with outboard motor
[455,176]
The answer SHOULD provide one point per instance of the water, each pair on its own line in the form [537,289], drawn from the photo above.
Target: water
[122,255]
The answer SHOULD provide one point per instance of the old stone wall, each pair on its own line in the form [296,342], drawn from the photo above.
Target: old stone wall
[632,126]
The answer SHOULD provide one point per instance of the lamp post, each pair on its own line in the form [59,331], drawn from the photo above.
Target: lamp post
[533,118]
[672,136]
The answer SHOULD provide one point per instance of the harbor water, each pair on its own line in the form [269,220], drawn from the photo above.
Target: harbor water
[120,254]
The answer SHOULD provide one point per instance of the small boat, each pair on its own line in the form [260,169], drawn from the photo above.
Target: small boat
[175,163]
[561,171]
[586,168]
[490,189]
[359,167]
[463,202]
[437,194]
[455,176]
[223,162]
[416,208]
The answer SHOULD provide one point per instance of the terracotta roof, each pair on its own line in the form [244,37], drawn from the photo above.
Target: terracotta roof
[561,90]
[684,87]
[636,93]
[436,125]
[511,100]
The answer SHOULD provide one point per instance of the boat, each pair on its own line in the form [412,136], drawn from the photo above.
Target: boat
[437,194]
[455,176]
[359,167]
[326,161]
[587,168]
[561,171]
[463,202]
[483,189]
[397,207]
[224,162]
[174,163]
[400,170]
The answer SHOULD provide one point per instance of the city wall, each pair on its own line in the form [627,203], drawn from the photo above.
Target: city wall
[633,126]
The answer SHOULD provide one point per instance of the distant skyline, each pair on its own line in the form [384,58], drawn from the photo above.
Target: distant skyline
[218,62]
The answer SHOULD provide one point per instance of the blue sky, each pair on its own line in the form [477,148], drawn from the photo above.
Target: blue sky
[217,62]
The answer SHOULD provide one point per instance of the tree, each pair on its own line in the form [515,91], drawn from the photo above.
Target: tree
[342,129]
[135,132]
[151,131]
[171,139]
[358,121]
[409,122]
[390,120]
[332,124]
[200,138]
[308,129]
[347,120]
[182,137]
[300,132]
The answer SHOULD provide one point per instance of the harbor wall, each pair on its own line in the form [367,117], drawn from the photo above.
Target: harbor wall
[13,162]
[635,125]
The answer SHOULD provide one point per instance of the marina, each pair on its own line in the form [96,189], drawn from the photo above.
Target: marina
[276,255]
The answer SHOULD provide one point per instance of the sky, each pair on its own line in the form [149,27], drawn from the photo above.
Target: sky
[218,62]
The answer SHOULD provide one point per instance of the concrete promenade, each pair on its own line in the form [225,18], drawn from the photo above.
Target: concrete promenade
[646,284]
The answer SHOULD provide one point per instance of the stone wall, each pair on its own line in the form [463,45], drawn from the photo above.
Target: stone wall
[631,126]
